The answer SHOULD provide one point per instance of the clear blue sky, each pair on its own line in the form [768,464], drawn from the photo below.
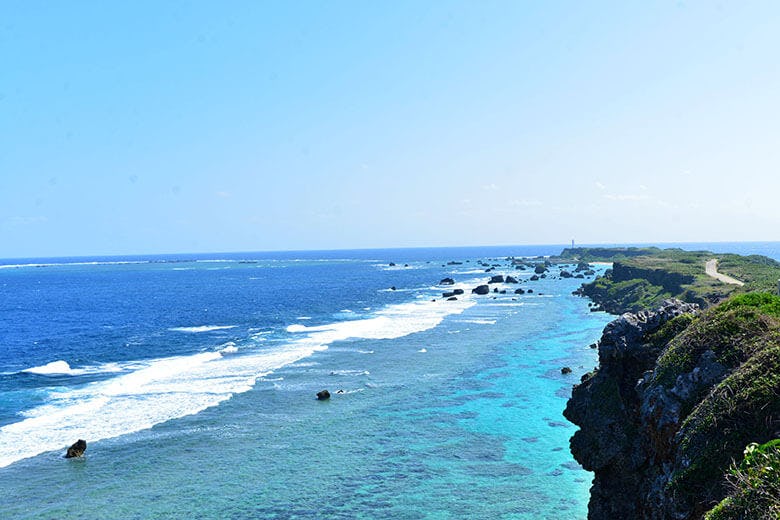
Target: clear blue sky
[150,127]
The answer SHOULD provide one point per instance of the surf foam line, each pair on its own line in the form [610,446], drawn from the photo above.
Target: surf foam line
[202,328]
[175,387]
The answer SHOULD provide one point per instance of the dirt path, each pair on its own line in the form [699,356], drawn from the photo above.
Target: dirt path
[711,268]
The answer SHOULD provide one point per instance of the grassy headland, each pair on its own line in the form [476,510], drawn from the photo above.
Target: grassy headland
[641,278]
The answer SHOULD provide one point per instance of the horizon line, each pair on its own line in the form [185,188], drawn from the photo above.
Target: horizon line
[564,245]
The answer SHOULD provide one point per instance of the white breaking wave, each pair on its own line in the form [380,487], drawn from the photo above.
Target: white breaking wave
[60,367]
[174,387]
[55,367]
[228,348]
[297,328]
[68,264]
[202,328]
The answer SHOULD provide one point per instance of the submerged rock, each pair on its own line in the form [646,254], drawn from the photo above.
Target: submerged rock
[447,281]
[565,370]
[77,449]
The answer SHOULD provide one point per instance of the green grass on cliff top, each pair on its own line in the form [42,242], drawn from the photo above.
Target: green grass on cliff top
[755,486]
[744,335]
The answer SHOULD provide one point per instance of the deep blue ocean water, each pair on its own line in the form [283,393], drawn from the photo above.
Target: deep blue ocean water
[192,378]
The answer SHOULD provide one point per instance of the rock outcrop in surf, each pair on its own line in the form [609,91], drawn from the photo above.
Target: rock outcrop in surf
[77,449]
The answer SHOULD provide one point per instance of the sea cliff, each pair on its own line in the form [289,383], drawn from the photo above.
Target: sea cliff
[677,421]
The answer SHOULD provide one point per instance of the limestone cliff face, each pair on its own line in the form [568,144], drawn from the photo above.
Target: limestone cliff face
[659,422]
[670,281]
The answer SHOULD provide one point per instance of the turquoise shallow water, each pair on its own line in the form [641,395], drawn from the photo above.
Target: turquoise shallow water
[461,419]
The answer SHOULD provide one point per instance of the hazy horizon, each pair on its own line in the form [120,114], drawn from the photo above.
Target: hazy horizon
[151,128]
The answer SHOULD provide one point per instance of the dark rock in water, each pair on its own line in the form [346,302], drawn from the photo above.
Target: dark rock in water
[540,268]
[339,391]
[589,272]
[457,291]
[565,370]
[519,291]
[77,450]
[495,290]
[566,274]
[503,291]
[452,298]
[534,278]
[447,281]
[530,291]
[453,262]
[391,264]
[488,269]
[447,294]
[406,265]
[323,395]
[582,266]
[544,275]
[392,288]
[497,279]
[511,279]
[594,345]
[580,276]
[481,289]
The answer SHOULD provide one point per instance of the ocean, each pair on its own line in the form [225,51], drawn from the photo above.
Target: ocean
[193,380]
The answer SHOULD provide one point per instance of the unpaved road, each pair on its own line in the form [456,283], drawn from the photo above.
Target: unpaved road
[711,268]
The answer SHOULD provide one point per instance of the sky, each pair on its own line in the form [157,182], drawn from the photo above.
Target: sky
[161,127]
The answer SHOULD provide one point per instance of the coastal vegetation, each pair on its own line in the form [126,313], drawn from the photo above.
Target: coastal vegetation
[683,412]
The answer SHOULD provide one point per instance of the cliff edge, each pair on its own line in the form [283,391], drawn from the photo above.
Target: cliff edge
[678,420]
